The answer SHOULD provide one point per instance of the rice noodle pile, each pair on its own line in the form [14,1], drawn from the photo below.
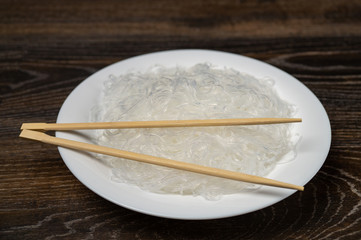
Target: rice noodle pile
[200,92]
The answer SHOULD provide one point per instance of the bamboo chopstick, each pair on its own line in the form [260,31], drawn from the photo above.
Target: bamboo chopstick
[39,136]
[156,124]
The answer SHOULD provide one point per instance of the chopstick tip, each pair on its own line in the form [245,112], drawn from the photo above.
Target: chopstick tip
[33,126]
[25,133]
[31,134]
[21,134]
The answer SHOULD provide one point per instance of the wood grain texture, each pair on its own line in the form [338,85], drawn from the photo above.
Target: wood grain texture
[48,47]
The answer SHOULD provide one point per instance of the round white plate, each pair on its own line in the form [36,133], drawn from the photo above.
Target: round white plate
[312,149]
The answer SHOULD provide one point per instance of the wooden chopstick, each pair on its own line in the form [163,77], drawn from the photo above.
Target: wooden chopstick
[42,137]
[158,124]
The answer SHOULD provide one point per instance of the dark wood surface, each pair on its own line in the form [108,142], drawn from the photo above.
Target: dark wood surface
[48,47]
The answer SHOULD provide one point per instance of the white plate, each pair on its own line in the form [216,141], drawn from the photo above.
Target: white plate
[312,149]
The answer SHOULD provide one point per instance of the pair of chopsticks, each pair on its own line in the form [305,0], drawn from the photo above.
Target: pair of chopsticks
[33,131]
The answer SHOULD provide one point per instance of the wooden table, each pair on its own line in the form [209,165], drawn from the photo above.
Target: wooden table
[48,47]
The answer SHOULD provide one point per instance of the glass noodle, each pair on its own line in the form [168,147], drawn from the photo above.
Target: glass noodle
[199,92]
